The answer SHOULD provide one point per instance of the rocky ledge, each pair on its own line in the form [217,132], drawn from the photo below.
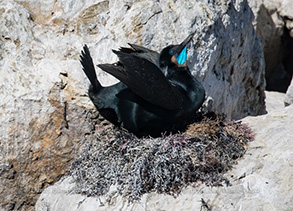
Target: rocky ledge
[261,180]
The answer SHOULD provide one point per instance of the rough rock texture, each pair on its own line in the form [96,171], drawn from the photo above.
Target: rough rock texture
[289,95]
[228,58]
[36,150]
[274,101]
[45,115]
[274,26]
[262,180]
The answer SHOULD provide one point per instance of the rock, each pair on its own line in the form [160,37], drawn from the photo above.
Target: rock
[274,101]
[40,151]
[273,25]
[261,179]
[45,114]
[269,28]
[286,9]
[107,25]
[289,95]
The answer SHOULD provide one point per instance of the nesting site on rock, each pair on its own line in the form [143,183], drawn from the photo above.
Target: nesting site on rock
[206,150]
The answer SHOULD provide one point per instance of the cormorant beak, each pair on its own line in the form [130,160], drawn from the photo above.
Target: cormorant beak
[184,43]
[180,51]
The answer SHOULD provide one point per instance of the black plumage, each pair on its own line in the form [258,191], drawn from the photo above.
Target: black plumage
[155,92]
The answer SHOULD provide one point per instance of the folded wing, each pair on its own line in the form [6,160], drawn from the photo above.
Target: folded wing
[146,80]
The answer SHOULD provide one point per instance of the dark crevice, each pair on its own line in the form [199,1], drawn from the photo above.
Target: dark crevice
[280,79]
[278,50]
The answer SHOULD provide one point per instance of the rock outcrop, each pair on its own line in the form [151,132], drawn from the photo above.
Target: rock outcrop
[274,101]
[274,26]
[289,95]
[45,114]
[261,180]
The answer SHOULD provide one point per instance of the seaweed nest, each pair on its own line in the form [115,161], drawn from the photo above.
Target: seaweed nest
[205,151]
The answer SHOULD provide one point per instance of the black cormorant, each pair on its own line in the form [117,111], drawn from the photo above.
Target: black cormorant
[156,90]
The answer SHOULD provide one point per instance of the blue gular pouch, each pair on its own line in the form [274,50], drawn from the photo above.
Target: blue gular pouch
[181,58]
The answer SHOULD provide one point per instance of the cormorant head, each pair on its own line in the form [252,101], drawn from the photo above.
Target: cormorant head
[175,54]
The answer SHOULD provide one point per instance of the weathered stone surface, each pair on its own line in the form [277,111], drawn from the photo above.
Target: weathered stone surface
[39,149]
[269,27]
[273,24]
[274,101]
[105,25]
[43,90]
[286,9]
[289,95]
[221,64]
[262,179]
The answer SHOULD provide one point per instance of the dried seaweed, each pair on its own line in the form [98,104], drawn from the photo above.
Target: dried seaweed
[165,164]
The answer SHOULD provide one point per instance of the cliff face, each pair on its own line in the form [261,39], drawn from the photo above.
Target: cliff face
[274,26]
[45,114]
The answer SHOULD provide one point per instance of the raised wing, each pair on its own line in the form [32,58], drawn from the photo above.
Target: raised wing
[146,80]
[142,52]
[88,67]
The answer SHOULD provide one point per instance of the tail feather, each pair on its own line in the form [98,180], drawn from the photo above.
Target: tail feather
[88,68]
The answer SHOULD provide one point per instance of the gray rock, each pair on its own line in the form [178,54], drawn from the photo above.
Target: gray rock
[274,101]
[272,18]
[274,26]
[289,95]
[269,28]
[286,9]
[261,180]
[43,90]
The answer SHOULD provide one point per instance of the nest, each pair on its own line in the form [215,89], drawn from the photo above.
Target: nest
[166,164]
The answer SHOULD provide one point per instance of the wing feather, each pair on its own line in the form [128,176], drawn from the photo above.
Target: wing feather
[88,67]
[146,80]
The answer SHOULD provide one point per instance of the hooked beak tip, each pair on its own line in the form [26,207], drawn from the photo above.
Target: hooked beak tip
[187,40]
[182,45]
